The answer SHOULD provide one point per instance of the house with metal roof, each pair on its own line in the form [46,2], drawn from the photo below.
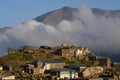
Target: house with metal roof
[78,68]
[43,66]
[63,73]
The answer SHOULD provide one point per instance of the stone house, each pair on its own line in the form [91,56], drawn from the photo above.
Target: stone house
[67,53]
[92,71]
[41,67]
[12,51]
[104,61]
[78,68]
[73,52]
[8,67]
[29,68]
[31,50]
[116,66]
[62,73]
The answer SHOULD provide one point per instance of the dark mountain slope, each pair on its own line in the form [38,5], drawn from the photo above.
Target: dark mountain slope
[67,13]
[56,16]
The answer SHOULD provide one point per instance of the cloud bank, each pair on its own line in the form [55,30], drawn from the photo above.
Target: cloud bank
[86,29]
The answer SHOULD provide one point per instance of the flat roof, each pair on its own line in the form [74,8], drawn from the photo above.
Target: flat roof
[61,69]
[78,65]
[52,61]
[101,57]
[47,61]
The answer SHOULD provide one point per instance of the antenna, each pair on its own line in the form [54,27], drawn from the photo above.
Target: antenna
[71,41]
[63,42]
[62,38]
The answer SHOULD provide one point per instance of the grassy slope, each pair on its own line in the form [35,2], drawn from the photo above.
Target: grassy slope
[20,58]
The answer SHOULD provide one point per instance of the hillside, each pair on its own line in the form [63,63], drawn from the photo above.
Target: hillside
[21,58]
[17,58]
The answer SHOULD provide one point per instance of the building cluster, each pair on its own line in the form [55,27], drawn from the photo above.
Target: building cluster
[59,70]
[73,52]
[68,52]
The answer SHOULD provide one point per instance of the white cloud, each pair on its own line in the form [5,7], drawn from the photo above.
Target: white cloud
[96,32]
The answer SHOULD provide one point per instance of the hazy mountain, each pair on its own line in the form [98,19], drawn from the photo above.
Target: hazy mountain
[2,30]
[67,13]
[54,17]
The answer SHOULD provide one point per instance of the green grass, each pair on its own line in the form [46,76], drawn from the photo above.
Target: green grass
[26,57]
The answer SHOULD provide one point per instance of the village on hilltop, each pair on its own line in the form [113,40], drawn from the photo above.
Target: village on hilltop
[57,63]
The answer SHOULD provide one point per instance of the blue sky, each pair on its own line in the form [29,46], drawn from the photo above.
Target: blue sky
[14,12]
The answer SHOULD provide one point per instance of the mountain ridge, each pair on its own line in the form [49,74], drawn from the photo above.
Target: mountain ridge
[56,16]
[67,13]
